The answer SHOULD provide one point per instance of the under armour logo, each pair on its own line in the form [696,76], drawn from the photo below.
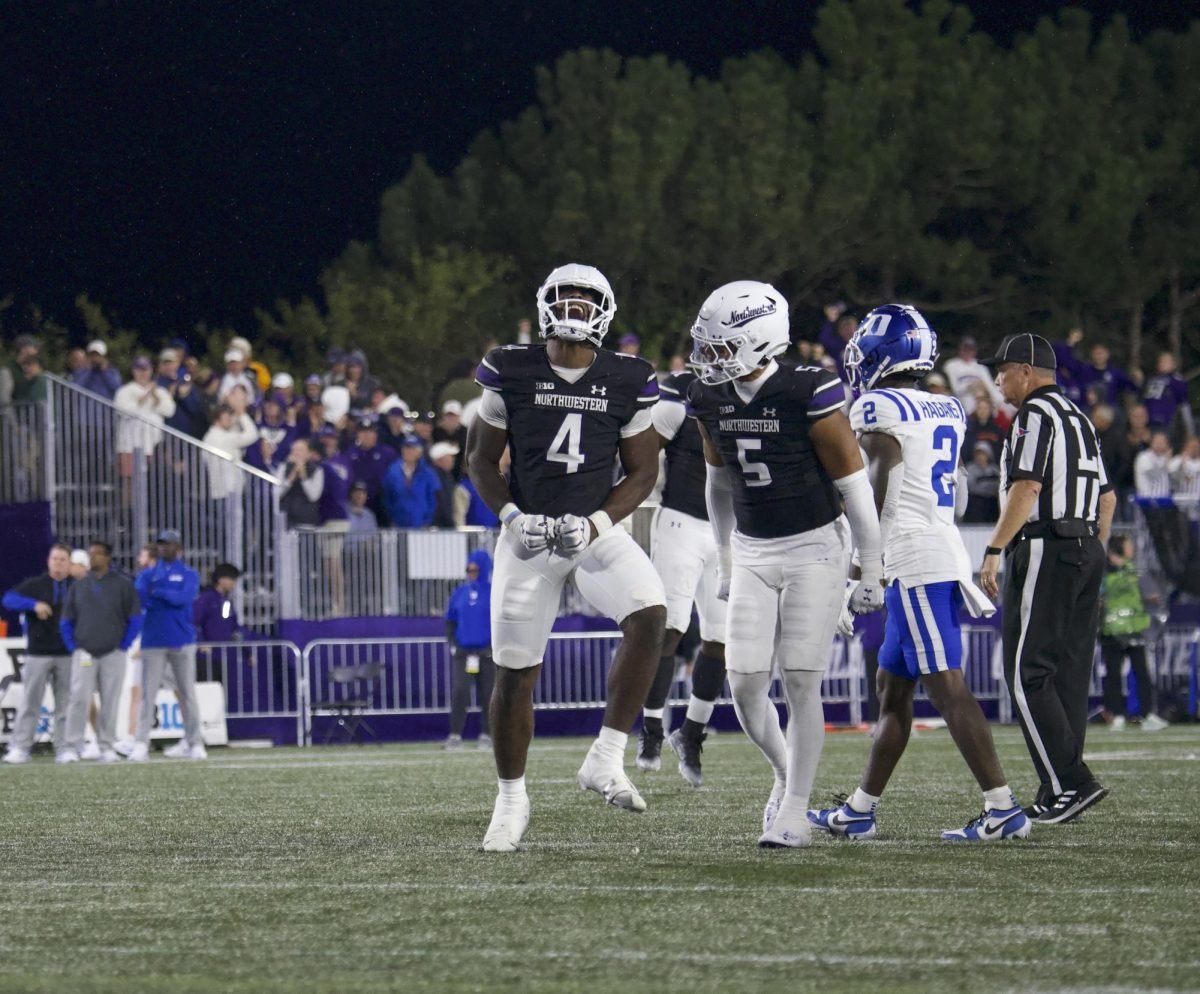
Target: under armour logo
[768,412]
[602,391]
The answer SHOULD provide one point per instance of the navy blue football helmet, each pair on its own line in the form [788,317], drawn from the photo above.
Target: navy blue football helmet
[894,338]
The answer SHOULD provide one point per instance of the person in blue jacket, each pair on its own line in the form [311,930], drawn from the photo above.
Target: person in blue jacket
[167,590]
[469,635]
[410,487]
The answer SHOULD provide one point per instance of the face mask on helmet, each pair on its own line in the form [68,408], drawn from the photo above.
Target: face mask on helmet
[575,304]
[892,339]
[740,328]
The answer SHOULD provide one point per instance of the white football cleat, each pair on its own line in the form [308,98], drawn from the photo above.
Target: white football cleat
[67,756]
[180,750]
[140,753]
[509,821]
[16,756]
[611,783]
[91,750]
[109,756]
[198,752]
[123,747]
[796,834]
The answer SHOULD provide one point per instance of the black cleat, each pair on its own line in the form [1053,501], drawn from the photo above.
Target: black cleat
[650,743]
[1070,804]
[688,749]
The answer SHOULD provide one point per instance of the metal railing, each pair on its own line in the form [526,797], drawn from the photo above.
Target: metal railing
[119,477]
[262,679]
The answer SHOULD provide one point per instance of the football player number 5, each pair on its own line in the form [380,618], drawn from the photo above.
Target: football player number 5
[565,447]
[757,474]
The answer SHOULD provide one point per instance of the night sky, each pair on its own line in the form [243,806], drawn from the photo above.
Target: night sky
[187,162]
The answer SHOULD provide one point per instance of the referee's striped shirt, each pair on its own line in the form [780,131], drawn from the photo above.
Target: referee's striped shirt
[1052,441]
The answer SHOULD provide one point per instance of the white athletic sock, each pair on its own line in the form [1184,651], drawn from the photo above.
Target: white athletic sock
[653,712]
[759,718]
[863,802]
[512,790]
[699,711]
[999,798]
[805,731]
[610,745]
[791,809]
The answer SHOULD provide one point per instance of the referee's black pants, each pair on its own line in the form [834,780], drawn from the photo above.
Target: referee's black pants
[1051,612]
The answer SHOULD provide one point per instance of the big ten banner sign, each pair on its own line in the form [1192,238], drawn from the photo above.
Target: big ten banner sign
[168,720]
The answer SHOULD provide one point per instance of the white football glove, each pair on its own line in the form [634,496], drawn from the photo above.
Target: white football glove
[535,531]
[572,534]
[845,624]
[868,595]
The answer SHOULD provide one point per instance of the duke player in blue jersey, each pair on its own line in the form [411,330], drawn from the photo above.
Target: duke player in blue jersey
[786,490]
[566,409]
[912,440]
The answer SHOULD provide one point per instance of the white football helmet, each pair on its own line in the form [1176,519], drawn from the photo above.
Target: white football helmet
[741,326]
[570,315]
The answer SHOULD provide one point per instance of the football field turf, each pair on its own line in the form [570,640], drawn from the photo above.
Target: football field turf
[357,869]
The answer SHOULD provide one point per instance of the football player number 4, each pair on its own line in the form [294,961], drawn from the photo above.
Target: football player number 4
[565,447]
[757,474]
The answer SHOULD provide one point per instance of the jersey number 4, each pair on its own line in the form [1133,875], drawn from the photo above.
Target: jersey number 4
[565,447]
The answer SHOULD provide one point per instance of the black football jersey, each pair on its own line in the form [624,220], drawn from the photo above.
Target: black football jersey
[780,487]
[686,472]
[564,436]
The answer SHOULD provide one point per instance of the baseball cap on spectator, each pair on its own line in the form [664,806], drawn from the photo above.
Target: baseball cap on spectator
[395,411]
[629,338]
[356,359]
[452,407]
[80,558]
[313,378]
[141,362]
[334,356]
[935,379]
[242,345]
[98,347]
[967,342]
[367,424]
[425,416]
[29,342]
[169,535]
[358,485]
[169,355]
[413,440]
[1024,348]
[983,447]
[235,355]
[284,380]
[180,345]
[327,431]
[439,449]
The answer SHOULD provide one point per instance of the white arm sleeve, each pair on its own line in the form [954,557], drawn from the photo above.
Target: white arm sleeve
[637,424]
[960,492]
[864,524]
[668,417]
[492,409]
[718,495]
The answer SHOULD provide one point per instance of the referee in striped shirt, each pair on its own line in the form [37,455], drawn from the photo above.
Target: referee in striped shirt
[1055,523]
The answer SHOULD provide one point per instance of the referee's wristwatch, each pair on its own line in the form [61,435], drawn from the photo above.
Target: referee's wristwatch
[991,550]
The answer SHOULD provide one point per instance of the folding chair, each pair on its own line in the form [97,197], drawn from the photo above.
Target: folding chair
[348,712]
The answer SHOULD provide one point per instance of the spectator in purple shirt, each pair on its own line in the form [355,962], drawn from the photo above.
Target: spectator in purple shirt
[216,620]
[1072,371]
[275,437]
[98,377]
[369,462]
[1166,394]
[1114,380]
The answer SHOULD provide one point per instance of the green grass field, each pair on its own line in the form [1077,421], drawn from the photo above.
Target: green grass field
[357,870]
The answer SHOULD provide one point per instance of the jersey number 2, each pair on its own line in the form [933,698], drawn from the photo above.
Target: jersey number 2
[565,447]
[945,443]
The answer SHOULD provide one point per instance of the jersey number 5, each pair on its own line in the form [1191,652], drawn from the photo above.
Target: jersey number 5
[565,447]
[757,473]
[945,444]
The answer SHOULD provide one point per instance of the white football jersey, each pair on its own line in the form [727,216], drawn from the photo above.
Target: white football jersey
[923,544]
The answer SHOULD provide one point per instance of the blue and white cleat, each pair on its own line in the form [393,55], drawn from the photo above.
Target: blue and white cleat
[844,821]
[992,826]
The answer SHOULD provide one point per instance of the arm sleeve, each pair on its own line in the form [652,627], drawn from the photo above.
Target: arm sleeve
[718,495]
[642,420]
[14,601]
[133,628]
[67,630]
[668,417]
[859,500]
[492,409]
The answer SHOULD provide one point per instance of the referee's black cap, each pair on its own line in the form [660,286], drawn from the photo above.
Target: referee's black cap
[1032,349]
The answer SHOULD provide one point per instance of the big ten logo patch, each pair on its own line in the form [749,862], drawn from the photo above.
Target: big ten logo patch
[168,716]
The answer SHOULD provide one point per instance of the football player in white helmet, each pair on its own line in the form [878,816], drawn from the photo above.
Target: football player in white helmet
[566,409]
[912,440]
[786,489]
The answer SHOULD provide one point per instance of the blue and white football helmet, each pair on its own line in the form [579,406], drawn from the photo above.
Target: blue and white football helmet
[894,338]
[740,327]
[569,315]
